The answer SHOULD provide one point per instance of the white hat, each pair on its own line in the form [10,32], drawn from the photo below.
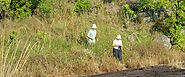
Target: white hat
[118,37]
[94,26]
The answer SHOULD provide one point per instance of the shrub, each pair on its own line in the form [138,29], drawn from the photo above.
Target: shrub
[127,13]
[45,8]
[175,12]
[82,6]
[4,8]
[177,36]
[19,9]
[176,18]
[23,8]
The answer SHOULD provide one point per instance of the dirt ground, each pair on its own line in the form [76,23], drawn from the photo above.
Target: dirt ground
[153,71]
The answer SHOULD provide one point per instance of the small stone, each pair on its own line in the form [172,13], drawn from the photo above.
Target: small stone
[165,41]
[132,37]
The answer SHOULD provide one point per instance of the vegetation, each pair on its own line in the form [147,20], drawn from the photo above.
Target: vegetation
[48,37]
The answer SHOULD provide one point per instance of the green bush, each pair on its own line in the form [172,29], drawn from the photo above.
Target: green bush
[177,36]
[127,13]
[45,8]
[4,4]
[24,8]
[175,12]
[82,6]
[20,8]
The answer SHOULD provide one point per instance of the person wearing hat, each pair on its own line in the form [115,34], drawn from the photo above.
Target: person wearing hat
[92,34]
[117,50]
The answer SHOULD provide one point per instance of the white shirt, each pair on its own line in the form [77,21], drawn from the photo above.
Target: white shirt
[92,34]
[117,43]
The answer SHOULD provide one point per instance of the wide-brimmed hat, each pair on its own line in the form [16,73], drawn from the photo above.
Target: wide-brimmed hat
[118,37]
[94,26]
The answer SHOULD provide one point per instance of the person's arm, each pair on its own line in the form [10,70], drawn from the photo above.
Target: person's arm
[89,35]
[121,44]
[113,44]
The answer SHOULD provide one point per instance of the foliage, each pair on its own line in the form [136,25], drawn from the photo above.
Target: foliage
[177,36]
[20,9]
[23,8]
[151,7]
[45,8]
[13,36]
[82,6]
[127,13]
[176,17]
[4,4]
[174,10]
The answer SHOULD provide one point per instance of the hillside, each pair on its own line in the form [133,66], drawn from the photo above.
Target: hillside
[48,38]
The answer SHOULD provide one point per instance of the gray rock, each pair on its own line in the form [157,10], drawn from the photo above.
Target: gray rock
[164,40]
[132,37]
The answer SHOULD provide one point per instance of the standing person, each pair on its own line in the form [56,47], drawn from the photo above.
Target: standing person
[92,34]
[117,48]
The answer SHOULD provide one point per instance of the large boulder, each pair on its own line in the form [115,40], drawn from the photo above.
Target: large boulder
[164,40]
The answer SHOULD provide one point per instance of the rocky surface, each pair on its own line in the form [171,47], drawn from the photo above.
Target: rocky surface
[152,71]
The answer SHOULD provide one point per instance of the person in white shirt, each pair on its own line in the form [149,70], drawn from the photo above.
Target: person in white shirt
[92,34]
[117,48]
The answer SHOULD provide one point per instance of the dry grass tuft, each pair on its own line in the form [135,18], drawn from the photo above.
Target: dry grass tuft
[13,58]
[152,54]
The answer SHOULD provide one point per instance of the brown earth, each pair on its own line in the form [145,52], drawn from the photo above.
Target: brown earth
[152,71]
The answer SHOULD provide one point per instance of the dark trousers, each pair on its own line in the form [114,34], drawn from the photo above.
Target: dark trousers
[118,54]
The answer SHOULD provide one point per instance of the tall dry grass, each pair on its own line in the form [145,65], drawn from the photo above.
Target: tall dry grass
[14,51]
[13,60]
[150,54]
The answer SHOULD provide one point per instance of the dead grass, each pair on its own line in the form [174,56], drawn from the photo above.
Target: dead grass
[151,54]
[13,59]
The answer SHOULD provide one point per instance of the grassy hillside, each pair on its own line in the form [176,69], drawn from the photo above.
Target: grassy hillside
[56,46]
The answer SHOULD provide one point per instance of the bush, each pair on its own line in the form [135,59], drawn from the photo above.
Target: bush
[174,10]
[23,8]
[4,8]
[177,36]
[176,18]
[20,8]
[45,8]
[82,6]
[127,13]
